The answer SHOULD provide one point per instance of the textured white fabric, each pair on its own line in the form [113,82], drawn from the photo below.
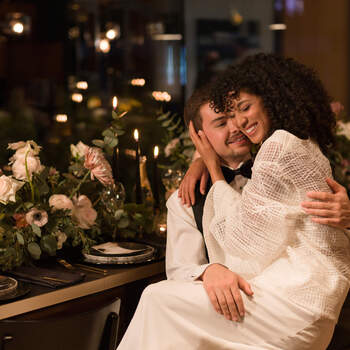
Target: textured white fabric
[174,315]
[263,234]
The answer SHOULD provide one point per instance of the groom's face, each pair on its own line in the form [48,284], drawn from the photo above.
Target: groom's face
[228,142]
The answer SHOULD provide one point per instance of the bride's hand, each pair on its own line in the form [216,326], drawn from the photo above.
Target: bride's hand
[196,172]
[207,152]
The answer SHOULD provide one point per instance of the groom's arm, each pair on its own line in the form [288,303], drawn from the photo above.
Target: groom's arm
[331,209]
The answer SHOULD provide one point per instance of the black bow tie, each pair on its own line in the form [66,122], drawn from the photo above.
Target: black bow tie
[245,170]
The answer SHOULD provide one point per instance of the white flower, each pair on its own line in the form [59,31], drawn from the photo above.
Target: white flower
[343,129]
[37,217]
[169,148]
[28,148]
[61,238]
[60,201]
[8,189]
[83,213]
[19,167]
[78,150]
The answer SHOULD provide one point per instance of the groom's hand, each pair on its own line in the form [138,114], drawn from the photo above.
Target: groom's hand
[331,209]
[223,288]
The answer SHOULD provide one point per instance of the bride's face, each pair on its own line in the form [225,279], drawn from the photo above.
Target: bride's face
[251,118]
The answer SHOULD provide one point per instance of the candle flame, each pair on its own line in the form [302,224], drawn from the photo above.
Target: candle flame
[156,152]
[115,102]
[136,135]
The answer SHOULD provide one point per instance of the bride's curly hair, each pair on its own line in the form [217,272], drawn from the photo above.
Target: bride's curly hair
[292,95]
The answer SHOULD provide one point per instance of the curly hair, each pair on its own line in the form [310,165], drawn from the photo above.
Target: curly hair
[291,93]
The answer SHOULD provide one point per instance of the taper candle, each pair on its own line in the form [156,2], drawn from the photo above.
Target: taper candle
[138,180]
[115,156]
[155,177]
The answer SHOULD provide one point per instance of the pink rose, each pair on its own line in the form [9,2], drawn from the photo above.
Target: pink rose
[83,213]
[37,217]
[98,165]
[336,107]
[60,201]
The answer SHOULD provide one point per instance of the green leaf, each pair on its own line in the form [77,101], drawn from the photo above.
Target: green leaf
[28,205]
[2,215]
[118,214]
[36,229]
[120,132]
[166,123]
[20,238]
[123,223]
[173,127]
[108,133]
[34,250]
[48,244]
[98,143]
[164,116]
[115,115]
[111,141]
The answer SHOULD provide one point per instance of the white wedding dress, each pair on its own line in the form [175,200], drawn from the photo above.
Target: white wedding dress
[298,270]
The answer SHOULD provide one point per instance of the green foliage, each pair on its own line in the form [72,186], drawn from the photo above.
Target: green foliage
[178,146]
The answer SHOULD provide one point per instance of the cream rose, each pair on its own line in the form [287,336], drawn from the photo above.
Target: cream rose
[83,213]
[78,150]
[169,148]
[19,167]
[60,201]
[8,189]
[343,129]
[29,149]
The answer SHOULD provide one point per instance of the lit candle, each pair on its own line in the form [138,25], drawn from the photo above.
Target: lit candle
[155,178]
[115,157]
[138,179]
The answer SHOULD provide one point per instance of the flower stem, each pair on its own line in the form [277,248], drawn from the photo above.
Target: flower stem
[79,185]
[28,177]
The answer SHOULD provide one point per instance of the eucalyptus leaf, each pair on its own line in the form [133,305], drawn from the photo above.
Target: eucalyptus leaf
[98,143]
[111,141]
[174,127]
[115,115]
[118,214]
[2,215]
[123,223]
[34,250]
[48,244]
[20,238]
[167,123]
[36,229]
[108,133]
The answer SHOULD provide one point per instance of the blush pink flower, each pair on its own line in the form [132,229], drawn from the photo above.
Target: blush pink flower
[336,107]
[83,213]
[60,201]
[37,217]
[98,165]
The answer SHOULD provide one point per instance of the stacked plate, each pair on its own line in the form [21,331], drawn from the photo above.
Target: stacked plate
[7,285]
[120,253]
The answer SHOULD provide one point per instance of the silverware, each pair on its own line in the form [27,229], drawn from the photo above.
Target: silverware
[91,269]
[54,279]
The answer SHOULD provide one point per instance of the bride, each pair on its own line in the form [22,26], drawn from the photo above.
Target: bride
[298,270]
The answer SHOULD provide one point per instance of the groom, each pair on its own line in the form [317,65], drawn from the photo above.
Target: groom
[167,307]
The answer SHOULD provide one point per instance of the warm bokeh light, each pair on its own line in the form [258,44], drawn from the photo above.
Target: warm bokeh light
[61,118]
[115,102]
[136,135]
[82,85]
[18,27]
[76,97]
[104,46]
[156,152]
[161,96]
[138,82]
[111,34]
[278,26]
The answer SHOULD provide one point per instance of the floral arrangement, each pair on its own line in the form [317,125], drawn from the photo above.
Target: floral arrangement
[44,211]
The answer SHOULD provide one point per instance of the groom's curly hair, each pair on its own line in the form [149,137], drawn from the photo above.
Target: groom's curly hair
[292,95]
